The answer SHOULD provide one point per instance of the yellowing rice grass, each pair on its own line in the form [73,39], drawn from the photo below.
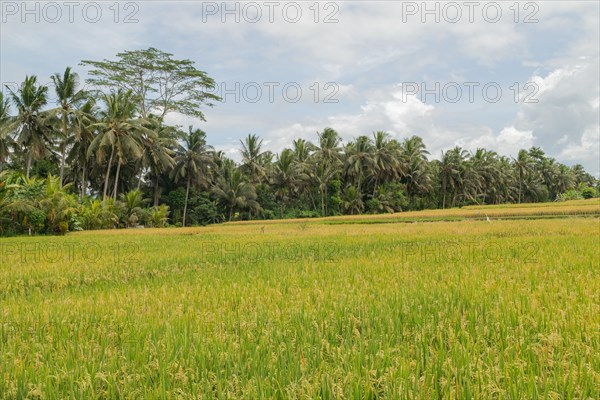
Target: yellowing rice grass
[305,309]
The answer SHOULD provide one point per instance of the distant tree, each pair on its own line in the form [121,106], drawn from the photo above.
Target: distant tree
[234,191]
[119,135]
[160,83]
[253,158]
[33,136]
[6,139]
[192,161]
[68,98]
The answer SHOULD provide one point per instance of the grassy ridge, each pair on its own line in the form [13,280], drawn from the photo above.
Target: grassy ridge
[589,207]
[507,309]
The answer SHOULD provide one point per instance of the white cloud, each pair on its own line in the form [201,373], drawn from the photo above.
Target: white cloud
[585,150]
[507,143]
[565,121]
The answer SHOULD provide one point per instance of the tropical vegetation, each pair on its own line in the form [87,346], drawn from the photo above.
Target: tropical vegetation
[96,147]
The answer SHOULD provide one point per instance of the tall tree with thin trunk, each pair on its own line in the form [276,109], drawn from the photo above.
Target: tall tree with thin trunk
[68,98]
[6,140]
[119,135]
[29,126]
[192,160]
[253,158]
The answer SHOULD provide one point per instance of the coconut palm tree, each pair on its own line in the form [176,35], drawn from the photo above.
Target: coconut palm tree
[413,157]
[253,162]
[80,141]
[133,202]
[120,133]
[523,164]
[386,154]
[564,179]
[328,149]
[192,161]
[6,140]
[326,163]
[322,174]
[68,98]
[581,176]
[352,200]
[287,177]
[57,204]
[359,161]
[235,192]
[158,154]
[302,150]
[33,136]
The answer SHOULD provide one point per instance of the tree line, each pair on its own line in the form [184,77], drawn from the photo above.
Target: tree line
[102,157]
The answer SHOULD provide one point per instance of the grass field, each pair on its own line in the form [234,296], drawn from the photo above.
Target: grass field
[332,308]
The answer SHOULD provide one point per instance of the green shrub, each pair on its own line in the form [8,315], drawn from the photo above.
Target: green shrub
[572,194]
[63,228]
[588,193]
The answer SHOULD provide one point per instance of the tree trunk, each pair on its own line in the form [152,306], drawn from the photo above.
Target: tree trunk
[28,164]
[156,191]
[444,199]
[312,199]
[230,212]
[106,178]
[117,178]
[327,198]
[63,148]
[187,194]
[83,182]
[375,187]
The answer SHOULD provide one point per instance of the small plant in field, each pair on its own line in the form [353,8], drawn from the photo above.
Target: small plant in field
[159,216]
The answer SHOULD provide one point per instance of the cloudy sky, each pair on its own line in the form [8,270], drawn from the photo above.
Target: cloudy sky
[500,75]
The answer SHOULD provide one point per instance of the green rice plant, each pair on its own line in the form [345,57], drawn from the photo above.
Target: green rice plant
[446,309]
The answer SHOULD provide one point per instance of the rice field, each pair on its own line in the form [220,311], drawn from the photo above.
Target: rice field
[309,309]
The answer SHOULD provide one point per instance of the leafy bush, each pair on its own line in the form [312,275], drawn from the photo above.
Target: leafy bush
[159,216]
[63,228]
[589,193]
[572,194]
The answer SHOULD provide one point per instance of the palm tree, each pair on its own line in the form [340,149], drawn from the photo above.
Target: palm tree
[326,162]
[33,137]
[253,158]
[158,154]
[450,173]
[68,97]
[57,204]
[414,164]
[234,192]
[322,173]
[302,150]
[483,176]
[133,202]
[564,179]
[287,176]
[386,163]
[359,161]
[80,141]
[6,141]
[192,161]
[523,164]
[581,176]
[328,150]
[120,131]
[352,201]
